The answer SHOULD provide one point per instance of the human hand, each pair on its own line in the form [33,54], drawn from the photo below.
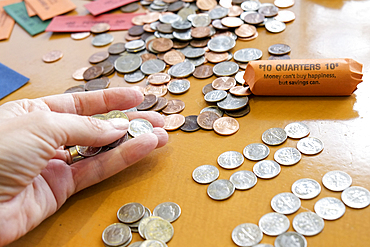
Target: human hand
[35,178]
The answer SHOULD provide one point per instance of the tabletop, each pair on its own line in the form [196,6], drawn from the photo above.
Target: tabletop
[322,29]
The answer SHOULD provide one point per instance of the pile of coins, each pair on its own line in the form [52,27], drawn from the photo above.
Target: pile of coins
[155,228]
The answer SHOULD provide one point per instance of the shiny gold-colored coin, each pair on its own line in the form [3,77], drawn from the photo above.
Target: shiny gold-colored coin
[174,106]
[173,57]
[160,90]
[78,74]
[162,44]
[223,83]
[173,122]
[245,31]
[226,126]
[200,32]
[52,56]
[216,57]
[98,57]
[159,78]
[100,28]
[206,119]
[206,4]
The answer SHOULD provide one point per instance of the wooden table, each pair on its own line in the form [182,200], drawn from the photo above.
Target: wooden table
[322,29]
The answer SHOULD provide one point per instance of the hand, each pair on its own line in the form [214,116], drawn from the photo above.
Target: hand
[35,178]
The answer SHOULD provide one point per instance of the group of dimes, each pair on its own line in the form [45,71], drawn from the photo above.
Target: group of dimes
[156,229]
[276,223]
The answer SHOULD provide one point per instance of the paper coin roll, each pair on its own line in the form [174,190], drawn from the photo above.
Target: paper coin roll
[303,77]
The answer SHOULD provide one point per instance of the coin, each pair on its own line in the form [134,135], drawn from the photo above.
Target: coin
[100,28]
[169,18]
[246,234]
[131,7]
[111,238]
[131,212]
[287,156]
[285,16]
[152,66]
[274,136]
[283,57]
[147,56]
[116,48]
[205,174]
[330,208]
[80,35]
[207,88]
[308,223]
[182,70]
[149,101]
[159,229]
[160,90]
[174,106]
[161,103]
[214,109]
[254,18]
[275,26]
[173,121]
[243,180]
[78,74]
[116,114]
[179,86]
[162,44]
[239,113]
[102,39]
[336,180]
[279,49]
[245,30]
[306,188]
[139,126]
[232,103]
[175,6]
[169,211]
[164,28]
[200,43]
[239,77]
[220,189]
[200,32]
[108,67]
[215,95]
[93,72]
[98,57]
[310,145]
[221,43]
[226,126]
[218,12]
[190,124]
[128,63]
[285,203]
[268,10]
[226,68]
[247,54]
[135,76]
[284,3]
[356,197]
[230,160]
[173,57]
[206,119]
[193,52]
[138,243]
[290,239]
[232,22]
[256,151]
[79,88]
[240,91]
[87,151]
[234,10]
[266,169]
[206,4]
[52,56]
[223,83]
[250,5]
[159,78]
[297,130]
[216,57]
[274,224]
[119,141]
[203,71]
[97,84]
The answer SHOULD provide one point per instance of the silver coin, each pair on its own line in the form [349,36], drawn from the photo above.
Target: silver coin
[136,224]
[193,52]
[134,44]
[243,180]
[285,203]
[183,36]
[136,244]
[308,223]
[297,130]
[256,151]
[290,239]
[87,151]
[336,180]
[169,18]
[181,25]
[159,229]
[263,245]
[178,86]
[143,224]
[215,96]
[220,189]
[218,13]
[232,22]
[306,188]
[127,63]
[230,160]
[250,5]
[232,103]
[268,10]
[205,174]
[180,70]
[215,109]
[247,54]
[169,211]
[274,224]
[275,26]
[279,49]
[139,126]
[153,243]
[356,197]
[185,12]
[201,20]
[135,76]
[274,136]
[102,39]
[287,156]
[152,66]
[266,169]
[131,212]
[246,234]
[330,208]
[116,234]
[164,35]
[196,61]
[221,43]
[225,68]
[310,145]
[239,77]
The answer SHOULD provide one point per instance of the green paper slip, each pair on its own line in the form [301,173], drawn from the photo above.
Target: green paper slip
[33,25]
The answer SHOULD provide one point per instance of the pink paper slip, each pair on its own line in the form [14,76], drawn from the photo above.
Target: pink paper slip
[101,6]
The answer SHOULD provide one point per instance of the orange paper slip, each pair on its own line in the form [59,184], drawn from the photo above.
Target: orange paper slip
[303,77]
[6,22]
[47,9]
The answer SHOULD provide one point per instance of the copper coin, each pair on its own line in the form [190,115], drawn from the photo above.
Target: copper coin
[148,29]
[151,17]
[108,67]
[232,22]
[128,37]
[254,18]
[173,57]
[164,28]
[97,84]
[223,83]
[52,56]
[147,56]
[161,56]
[100,28]
[177,44]
[226,126]
[200,32]
[206,4]
[285,16]
[239,113]
[98,57]
[245,30]
[149,101]
[199,43]
[249,38]
[78,74]
[162,44]
[131,7]
[235,11]
[242,65]
[161,103]
[75,89]
[207,88]
[139,20]
[173,122]
[216,57]
[224,33]
[174,106]
[206,119]
[203,71]
[93,72]
[119,141]
[136,30]
[240,91]
[116,48]
[190,124]
[81,35]
[159,78]
[160,90]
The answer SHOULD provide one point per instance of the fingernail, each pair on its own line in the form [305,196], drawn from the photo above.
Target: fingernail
[119,123]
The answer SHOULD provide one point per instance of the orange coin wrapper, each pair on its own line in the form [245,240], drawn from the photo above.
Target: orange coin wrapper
[303,77]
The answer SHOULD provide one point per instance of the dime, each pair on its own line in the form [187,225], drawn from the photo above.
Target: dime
[169,211]
[173,121]
[308,223]
[250,5]
[137,223]
[247,54]
[159,78]
[149,101]
[226,126]
[226,68]
[206,119]
[127,63]
[254,18]
[135,76]
[266,169]
[223,83]
[232,103]
[139,126]
[162,44]
[181,70]
[247,234]
[220,189]
[156,90]
[100,28]
[79,36]
[230,160]
[306,188]
[139,244]
[214,109]
[297,130]
[78,74]
[152,66]
[275,26]
[97,84]
[190,124]
[116,114]
[287,156]
[102,39]
[243,180]
[159,229]
[116,234]
[52,56]
[274,136]
[174,106]
[336,180]
[173,57]
[274,224]
[279,49]
[203,71]
[289,239]
[131,212]
[205,174]
[215,95]
[256,151]
[221,43]
[310,145]
[285,203]
[218,13]
[179,86]
[330,208]
[356,197]
[87,151]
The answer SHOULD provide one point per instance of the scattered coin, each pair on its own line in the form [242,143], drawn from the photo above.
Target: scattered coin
[97,84]
[247,54]
[225,68]
[117,48]
[285,16]
[216,57]
[356,197]
[173,57]
[152,66]
[190,124]
[226,126]
[116,114]
[266,169]
[238,113]
[336,180]
[78,74]
[205,174]
[159,78]
[79,88]
[330,208]
[308,223]
[182,70]
[214,109]
[203,71]
[247,234]
[159,91]
[297,130]
[173,121]
[274,136]
[287,156]
[279,49]
[230,160]
[131,212]
[285,203]
[128,63]
[254,18]
[206,119]
[102,39]
[240,91]
[149,101]
[98,57]
[131,7]
[139,126]
[52,56]
[310,145]
[290,239]
[284,3]
[274,224]
[256,151]
[111,238]
[220,189]
[179,86]
[232,103]
[174,106]
[135,76]
[306,188]
[243,180]
[275,26]
[215,95]
[159,229]
[169,211]
[245,31]
[87,151]
[79,36]
[221,43]
[143,224]
[223,83]
[100,28]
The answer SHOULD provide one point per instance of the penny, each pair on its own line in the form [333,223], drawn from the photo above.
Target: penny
[151,17]
[78,74]
[336,180]
[135,76]
[98,57]
[245,31]
[181,70]
[240,91]
[285,16]
[275,26]
[215,96]
[111,238]
[246,234]
[203,71]
[179,86]
[297,130]
[174,106]
[221,189]
[206,4]
[97,84]
[100,28]
[177,44]
[205,174]
[285,203]
[308,223]
[128,63]
[200,32]
[329,208]
[139,126]
[129,8]
[131,212]
[249,38]
[290,239]
[149,101]
[159,78]
[274,136]
[147,28]
[254,18]
[173,121]
[256,151]
[243,180]
[216,57]
[164,28]
[81,35]
[52,56]
[226,126]
[173,57]
[143,223]
[161,103]
[159,229]
[169,211]
[230,159]
[247,54]
[287,156]
[239,113]
[152,66]
[223,83]
[93,72]
[190,124]
[199,43]
[147,56]
[221,43]
[232,22]
[274,224]
[207,88]
[356,197]
[206,119]
[226,68]
[160,90]
[306,188]
[232,103]
[214,109]
[162,44]
[266,169]
[116,114]
[102,39]
[75,89]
